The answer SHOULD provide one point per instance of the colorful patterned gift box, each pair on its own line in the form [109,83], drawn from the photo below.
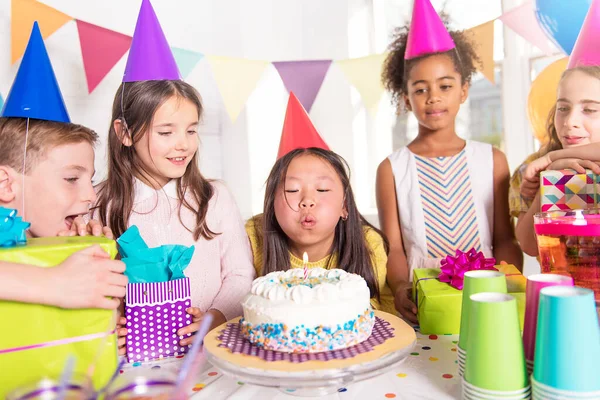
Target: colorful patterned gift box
[439,304]
[568,190]
[36,340]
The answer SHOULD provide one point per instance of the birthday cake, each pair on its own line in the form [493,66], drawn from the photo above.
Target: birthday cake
[326,310]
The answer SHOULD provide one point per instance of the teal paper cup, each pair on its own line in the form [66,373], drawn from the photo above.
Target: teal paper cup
[567,349]
[547,393]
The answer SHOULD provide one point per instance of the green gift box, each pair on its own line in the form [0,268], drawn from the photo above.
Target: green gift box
[439,304]
[36,340]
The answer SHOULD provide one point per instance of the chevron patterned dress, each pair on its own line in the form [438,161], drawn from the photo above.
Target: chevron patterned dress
[448,207]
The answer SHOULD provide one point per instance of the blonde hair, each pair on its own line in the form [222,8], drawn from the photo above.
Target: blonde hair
[553,140]
[41,138]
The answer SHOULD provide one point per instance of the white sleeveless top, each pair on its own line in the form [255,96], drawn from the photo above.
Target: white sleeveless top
[445,203]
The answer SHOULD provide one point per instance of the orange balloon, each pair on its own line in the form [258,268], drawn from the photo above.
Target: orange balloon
[542,97]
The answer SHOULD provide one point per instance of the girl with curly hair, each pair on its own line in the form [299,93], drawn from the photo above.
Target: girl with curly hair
[440,193]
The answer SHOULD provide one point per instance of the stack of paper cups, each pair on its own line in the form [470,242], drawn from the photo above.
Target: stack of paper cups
[567,347]
[535,283]
[475,282]
[495,364]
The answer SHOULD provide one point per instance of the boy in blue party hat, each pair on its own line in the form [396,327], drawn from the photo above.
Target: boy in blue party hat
[46,168]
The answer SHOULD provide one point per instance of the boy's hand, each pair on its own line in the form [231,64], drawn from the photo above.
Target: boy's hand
[404,304]
[81,228]
[87,279]
[197,314]
[122,335]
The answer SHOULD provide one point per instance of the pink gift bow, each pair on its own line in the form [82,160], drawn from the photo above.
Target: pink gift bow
[454,268]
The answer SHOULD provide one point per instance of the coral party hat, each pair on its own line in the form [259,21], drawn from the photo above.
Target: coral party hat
[298,130]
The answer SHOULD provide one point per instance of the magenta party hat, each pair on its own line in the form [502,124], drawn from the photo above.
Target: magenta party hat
[427,34]
[150,57]
[587,48]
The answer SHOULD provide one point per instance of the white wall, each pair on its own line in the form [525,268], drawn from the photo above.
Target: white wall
[243,152]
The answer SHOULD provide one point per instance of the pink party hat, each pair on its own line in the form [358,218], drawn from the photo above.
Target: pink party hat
[427,34]
[150,57]
[587,48]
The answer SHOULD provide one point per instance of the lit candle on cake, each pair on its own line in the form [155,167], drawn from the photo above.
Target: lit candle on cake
[305,260]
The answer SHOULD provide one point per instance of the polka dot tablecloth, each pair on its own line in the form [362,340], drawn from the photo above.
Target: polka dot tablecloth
[430,372]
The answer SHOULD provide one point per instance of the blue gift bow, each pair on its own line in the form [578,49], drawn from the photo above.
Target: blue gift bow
[12,228]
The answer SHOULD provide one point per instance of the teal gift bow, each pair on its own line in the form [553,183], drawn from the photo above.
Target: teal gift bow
[12,228]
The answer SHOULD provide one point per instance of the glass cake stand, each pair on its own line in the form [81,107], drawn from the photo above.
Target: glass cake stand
[306,381]
[312,383]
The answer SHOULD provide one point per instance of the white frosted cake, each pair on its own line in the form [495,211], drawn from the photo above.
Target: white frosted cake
[329,310]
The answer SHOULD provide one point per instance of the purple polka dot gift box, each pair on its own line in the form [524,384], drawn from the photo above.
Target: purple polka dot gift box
[155,312]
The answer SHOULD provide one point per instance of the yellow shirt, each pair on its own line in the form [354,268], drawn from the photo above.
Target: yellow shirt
[378,258]
[517,203]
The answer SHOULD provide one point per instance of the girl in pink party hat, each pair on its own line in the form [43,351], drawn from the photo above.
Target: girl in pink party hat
[154,181]
[573,130]
[440,193]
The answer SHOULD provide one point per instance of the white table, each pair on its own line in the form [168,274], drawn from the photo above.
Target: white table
[430,372]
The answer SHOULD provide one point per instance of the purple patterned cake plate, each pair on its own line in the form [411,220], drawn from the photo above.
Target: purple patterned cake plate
[233,339]
[310,382]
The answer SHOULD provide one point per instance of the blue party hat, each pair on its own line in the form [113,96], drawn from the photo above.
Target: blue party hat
[35,92]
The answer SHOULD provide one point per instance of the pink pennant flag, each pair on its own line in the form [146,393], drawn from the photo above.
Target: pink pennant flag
[101,49]
[304,78]
[523,22]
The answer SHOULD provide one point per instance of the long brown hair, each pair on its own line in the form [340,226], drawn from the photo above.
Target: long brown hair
[349,244]
[553,140]
[135,104]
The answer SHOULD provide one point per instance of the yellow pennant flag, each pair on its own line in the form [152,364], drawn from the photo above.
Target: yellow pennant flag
[236,79]
[365,75]
[483,35]
[23,14]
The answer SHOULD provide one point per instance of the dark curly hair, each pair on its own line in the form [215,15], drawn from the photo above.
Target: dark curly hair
[396,69]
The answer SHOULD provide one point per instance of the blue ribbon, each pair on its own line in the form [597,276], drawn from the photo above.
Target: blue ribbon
[12,228]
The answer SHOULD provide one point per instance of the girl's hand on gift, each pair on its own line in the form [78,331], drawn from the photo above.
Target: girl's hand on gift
[87,279]
[530,188]
[122,335]
[532,171]
[197,315]
[404,304]
[576,164]
[82,228]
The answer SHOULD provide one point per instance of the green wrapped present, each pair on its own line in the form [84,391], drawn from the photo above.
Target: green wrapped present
[439,304]
[36,340]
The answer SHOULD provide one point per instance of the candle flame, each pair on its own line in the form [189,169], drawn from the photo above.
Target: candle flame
[305,257]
